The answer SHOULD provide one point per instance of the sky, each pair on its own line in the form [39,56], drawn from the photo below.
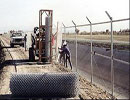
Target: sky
[24,14]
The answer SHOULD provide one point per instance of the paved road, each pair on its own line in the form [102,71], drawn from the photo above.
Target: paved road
[101,67]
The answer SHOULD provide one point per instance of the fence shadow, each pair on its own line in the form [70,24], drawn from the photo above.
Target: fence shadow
[22,62]
[6,47]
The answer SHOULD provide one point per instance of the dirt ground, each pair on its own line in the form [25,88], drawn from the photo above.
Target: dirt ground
[16,61]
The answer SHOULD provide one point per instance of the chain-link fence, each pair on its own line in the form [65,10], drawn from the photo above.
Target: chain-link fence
[102,56]
[62,85]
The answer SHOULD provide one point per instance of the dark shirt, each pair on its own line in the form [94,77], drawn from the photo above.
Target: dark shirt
[25,38]
[65,50]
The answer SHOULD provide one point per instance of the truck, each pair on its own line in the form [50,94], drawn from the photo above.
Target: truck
[17,38]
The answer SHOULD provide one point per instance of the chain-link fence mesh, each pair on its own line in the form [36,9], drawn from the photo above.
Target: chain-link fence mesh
[44,85]
[101,57]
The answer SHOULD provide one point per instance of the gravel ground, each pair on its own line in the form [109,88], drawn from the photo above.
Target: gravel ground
[17,61]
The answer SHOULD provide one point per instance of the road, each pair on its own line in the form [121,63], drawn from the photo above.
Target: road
[16,61]
[102,67]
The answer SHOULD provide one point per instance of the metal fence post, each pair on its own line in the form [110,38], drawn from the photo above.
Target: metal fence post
[112,69]
[76,30]
[91,50]
[64,30]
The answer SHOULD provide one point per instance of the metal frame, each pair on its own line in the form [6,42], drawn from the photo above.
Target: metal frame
[48,13]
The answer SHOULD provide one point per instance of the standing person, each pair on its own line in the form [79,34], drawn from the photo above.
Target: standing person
[33,41]
[67,53]
[62,55]
[25,40]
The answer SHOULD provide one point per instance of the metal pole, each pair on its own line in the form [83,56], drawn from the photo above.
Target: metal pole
[76,43]
[40,23]
[91,50]
[99,23]
[64,30]
[51,53]
[56,57]
[112,69]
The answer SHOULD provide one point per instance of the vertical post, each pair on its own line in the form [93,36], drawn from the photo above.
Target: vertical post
[56,51]
[112,69]
[91,50]
[64,30]
[40,23]
[77,31]
[51,53]
[76,51]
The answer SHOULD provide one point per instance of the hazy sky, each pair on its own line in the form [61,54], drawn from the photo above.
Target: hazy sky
[23,14]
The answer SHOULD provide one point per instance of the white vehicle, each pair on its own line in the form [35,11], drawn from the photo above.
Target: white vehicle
[16,39]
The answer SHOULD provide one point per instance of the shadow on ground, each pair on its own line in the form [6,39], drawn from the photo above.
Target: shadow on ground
[6,47]
[22,62]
